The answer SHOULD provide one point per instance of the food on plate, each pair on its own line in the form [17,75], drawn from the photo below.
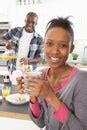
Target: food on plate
[20,97]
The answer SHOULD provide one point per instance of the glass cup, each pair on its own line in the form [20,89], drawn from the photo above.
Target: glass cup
[5,91]
[9,55]
[24,68]
[26,79]
[15,75]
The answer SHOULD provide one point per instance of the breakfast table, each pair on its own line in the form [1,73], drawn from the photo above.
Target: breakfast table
[14,116]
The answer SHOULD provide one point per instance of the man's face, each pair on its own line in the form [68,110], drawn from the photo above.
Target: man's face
[30,23]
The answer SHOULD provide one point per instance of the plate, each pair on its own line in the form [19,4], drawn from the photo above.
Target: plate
[18,99]
[1,98]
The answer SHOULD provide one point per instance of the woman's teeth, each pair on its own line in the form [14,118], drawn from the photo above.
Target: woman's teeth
[54,59]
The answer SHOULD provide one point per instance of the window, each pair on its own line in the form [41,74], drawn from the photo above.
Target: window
[26,2]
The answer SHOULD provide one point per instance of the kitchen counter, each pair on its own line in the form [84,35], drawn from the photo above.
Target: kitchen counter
[14,117]
[14,111]
[79,66]
[10,110]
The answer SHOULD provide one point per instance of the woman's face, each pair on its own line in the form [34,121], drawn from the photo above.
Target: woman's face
[57,45]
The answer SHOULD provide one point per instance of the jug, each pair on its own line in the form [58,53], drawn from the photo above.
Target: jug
[8,55]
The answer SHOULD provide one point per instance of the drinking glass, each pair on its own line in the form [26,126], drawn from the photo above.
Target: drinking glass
[23,67]
[32,74]
[5,91]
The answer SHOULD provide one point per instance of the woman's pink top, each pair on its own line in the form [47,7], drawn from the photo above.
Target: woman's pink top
[62,113]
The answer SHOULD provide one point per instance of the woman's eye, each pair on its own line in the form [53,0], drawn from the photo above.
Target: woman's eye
[63,45]
[49,44]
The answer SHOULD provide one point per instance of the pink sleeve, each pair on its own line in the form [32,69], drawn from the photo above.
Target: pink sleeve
[35,108]
[61,114]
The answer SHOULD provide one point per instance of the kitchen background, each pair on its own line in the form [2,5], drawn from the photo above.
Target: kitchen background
[13,12]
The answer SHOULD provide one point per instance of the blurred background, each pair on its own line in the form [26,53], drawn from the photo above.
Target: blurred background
[13,12]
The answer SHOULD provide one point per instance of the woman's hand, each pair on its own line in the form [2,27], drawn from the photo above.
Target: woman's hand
[21,88]
[20,84]
[39,87]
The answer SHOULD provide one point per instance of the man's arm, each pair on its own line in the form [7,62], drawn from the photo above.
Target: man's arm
[30,61]
[34,60]
[7,42]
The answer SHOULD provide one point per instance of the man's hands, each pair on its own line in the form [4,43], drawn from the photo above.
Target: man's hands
[24,61]
[9,45]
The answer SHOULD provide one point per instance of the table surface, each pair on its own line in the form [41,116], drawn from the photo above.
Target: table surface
[17,115]
[10,110]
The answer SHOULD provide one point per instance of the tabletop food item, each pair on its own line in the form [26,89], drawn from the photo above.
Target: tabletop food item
[25,68]
[8,57]
[20,97]
[5,91]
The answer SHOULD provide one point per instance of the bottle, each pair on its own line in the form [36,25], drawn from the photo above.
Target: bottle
[6,79]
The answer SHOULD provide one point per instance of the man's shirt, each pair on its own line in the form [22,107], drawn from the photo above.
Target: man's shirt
[35,43]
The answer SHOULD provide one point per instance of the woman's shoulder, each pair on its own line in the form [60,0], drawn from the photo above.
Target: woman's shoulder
[81,76]
[81,79]
[81,84]
[82,73]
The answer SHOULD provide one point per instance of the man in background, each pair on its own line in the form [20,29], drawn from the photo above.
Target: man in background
[25,41]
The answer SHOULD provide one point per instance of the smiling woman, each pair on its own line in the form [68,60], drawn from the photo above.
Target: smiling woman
[61,82]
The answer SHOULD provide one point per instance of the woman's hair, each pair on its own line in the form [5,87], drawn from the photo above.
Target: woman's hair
[63,23]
